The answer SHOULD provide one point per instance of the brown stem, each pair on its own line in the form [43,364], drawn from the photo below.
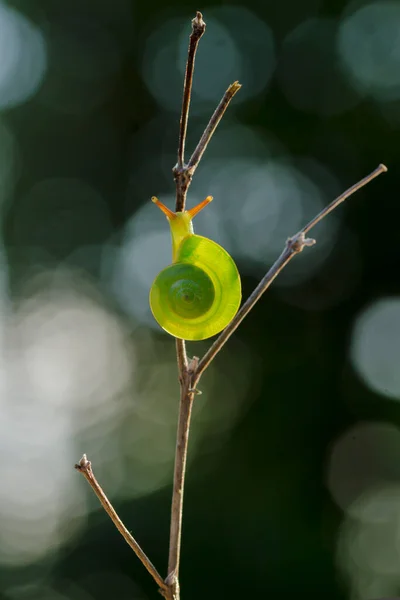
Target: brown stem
[183,175]
[85,467]
[182,439]
[293,246]
[198,28]
[181,358]
[335,203]
[212,125]
[180,172]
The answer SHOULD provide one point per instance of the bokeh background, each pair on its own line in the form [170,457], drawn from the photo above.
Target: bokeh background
[293,483]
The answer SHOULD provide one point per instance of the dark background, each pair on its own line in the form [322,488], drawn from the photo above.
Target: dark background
[293,484]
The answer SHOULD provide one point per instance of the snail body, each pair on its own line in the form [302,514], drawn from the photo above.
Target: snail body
[200,292]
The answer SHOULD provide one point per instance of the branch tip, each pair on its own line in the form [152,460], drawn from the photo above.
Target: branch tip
[234,87]
[84,464]
[198,23]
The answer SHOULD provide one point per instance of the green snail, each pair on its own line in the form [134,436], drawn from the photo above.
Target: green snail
[200,293]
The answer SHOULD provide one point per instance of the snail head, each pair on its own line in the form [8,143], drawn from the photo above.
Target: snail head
[180,222]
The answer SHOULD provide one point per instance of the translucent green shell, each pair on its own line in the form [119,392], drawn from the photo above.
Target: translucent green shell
[199,294]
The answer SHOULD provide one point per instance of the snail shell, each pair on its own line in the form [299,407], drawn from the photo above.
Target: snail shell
[199,294]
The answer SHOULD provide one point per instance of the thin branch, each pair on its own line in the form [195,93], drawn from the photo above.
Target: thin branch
[325,211]
[198,28]
[182,439]
[85,467]
[181,173]
[293,246]
[181,358]
[212,125]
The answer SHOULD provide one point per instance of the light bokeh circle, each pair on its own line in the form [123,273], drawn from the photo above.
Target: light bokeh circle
[23,54]
[368,47]
[375,346]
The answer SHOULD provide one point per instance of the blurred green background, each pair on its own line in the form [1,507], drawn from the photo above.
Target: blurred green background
[293,482]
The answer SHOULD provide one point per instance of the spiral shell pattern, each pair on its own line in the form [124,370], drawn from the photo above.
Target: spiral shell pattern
[197,296]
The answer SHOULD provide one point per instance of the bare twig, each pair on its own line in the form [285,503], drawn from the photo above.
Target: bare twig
[183,176]
[198,28]
[212,125]
[181,358]
[294,245]
[180,171]
[85,467]
[335,203]
[183,173]
[182,439]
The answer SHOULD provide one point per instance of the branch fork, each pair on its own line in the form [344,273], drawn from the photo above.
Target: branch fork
[298,242]
[190,371]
